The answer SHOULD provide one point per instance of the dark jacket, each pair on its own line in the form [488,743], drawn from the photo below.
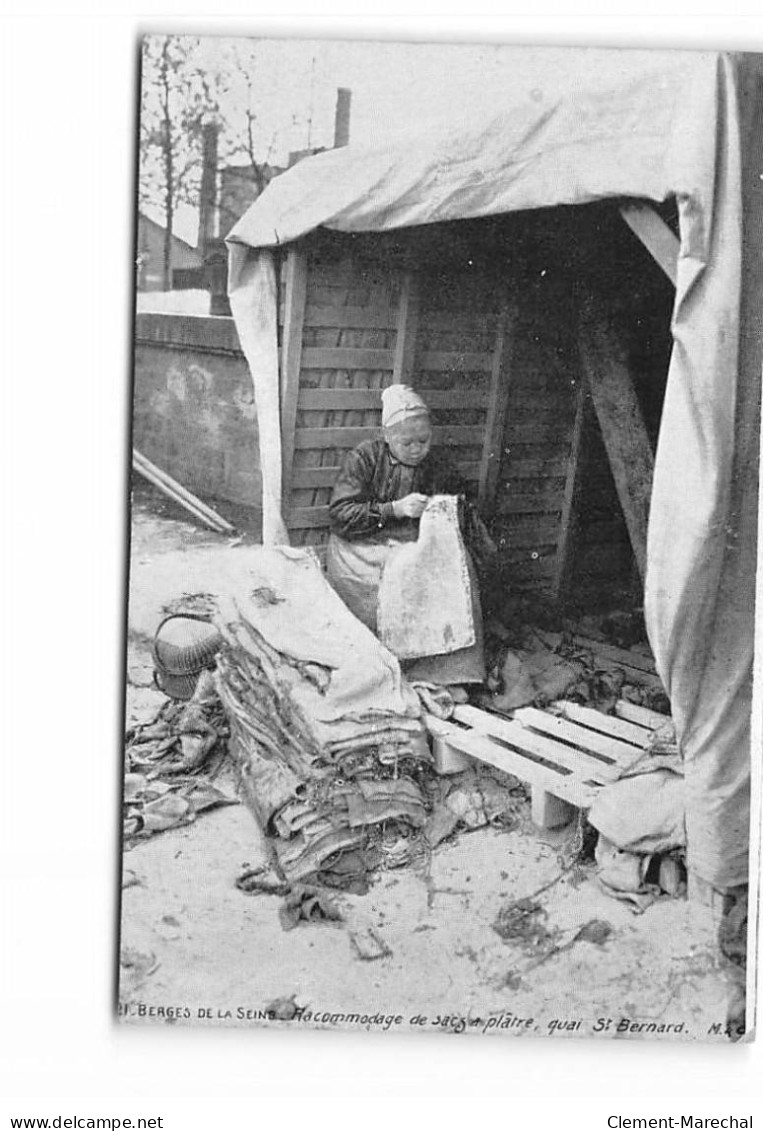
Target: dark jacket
[371,480]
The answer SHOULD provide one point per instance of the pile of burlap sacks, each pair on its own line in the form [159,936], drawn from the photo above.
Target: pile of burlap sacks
[326,734]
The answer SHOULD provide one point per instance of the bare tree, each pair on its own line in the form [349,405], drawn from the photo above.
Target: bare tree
[246,136]
[256,82]
[176,98]
[188,83]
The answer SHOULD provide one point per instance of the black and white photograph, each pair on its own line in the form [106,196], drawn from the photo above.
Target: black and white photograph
[445,429]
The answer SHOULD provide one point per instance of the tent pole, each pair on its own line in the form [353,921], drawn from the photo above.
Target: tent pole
[567,520]
[654,234]
[407,327]
[622,424]
[295,299]
[180,494]
[500,377]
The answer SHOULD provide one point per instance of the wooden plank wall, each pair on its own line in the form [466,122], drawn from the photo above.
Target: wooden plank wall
[541,443]
[366,325]
[348,345]
[451,332]
[464,334]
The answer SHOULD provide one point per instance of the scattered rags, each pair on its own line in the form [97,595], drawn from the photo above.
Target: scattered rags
[172,765]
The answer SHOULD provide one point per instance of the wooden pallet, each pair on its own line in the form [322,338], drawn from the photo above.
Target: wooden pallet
[565,755]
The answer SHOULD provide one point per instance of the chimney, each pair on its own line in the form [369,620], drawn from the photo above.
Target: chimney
[342,117]
[208,201]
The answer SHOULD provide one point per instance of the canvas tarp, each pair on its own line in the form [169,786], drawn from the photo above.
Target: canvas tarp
[689,127]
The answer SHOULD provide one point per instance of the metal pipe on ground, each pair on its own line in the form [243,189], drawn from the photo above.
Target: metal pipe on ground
[180,494]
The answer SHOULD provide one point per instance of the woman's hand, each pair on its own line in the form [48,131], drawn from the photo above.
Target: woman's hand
[412,506]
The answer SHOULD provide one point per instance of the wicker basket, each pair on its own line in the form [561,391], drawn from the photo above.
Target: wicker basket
[183,647]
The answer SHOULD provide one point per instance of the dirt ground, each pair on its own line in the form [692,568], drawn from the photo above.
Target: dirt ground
[200,951]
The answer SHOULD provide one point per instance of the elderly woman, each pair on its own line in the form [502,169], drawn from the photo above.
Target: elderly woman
[378,499]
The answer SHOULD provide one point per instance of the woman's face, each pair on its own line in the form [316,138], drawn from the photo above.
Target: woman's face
[410,440]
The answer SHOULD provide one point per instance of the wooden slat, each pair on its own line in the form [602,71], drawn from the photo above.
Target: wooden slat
[347,357]
[532,485]
[634,675]
[554,432]
[539,502]
[622,424]
[561,784]
[525,552]
[407,330]
[304,518]
[499,397]
[538,570]
[517,450]
[531,532]
[338,273]
[578,763]
[307,438]
[455,435]
[606,724]
[339,400]
[616,655]
[535,469]
[640,716]
[533,387]
[352,317]
[531,410]
[468,362]
[567,519]
[468,471]
[291,357]
[536,573]
[456,398]
[658,239]
[616,751]
[618,658]
[352,399]
[305,478]
[455,322]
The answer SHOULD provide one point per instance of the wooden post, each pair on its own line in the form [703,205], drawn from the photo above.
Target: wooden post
[700,891]
[291,358]
[549,812]
[490,463]
[650,228]
[567,520]
[447,759]
[407,328]
[622,424]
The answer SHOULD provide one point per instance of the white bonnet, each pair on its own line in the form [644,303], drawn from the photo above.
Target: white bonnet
[399,402]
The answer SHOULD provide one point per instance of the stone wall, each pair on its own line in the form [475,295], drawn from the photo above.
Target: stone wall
[194,413]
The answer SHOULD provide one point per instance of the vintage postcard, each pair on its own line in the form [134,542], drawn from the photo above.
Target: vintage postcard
[441,611]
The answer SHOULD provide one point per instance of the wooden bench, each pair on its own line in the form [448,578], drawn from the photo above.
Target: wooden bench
[565,754]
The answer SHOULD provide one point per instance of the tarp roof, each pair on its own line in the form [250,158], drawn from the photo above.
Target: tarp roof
[690,126]
[643,137]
